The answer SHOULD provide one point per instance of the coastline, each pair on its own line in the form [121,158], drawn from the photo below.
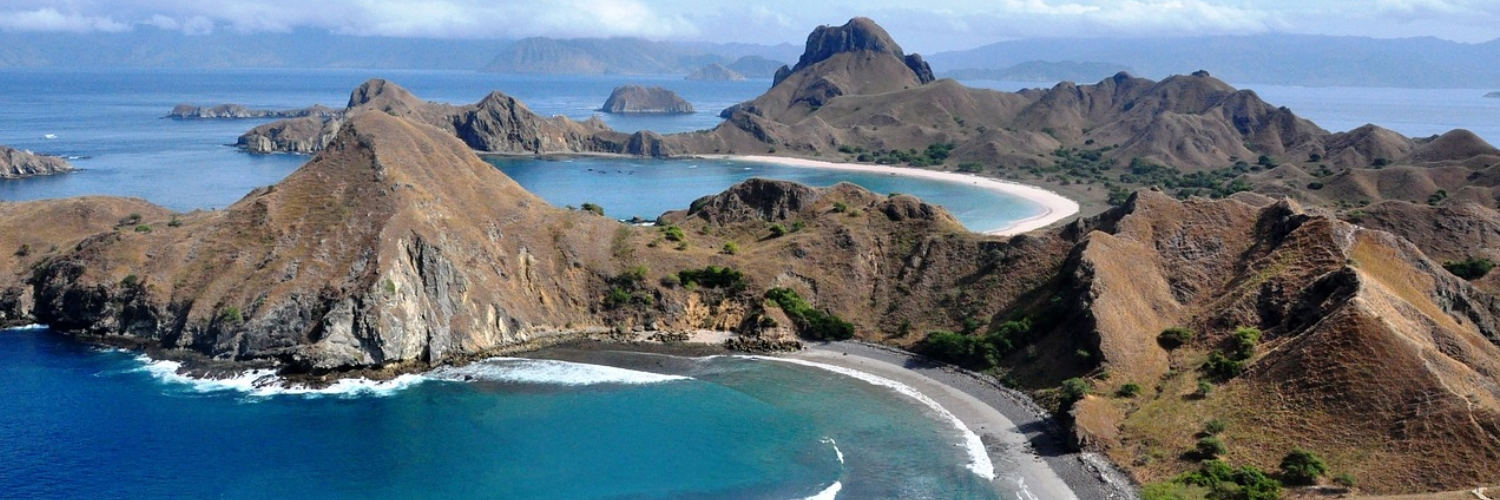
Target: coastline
[1055,207]
[1014,430]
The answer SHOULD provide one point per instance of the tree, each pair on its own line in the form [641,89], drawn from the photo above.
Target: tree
[1074,389]
[1302,467]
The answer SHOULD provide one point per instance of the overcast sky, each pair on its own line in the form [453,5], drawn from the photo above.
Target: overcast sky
[922,26]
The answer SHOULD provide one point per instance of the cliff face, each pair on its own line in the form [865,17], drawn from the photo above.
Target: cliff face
[647,100]
[394,245]
[15,164]
[498,123]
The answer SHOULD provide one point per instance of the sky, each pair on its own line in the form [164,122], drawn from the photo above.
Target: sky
[921,25]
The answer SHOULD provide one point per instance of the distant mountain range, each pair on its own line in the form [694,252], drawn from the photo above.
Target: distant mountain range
[1272,59]
[637,56]
[1042,71]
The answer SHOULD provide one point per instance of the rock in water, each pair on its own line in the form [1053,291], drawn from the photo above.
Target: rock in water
[638,99]
[15,164]
[716,72]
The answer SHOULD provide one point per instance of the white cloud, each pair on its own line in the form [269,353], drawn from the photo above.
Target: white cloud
[49,19]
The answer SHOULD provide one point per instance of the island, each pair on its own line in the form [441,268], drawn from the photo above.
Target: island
[1245,289]
[628,99]
[236,111]
[715,72]
[15,164]
[1495,94]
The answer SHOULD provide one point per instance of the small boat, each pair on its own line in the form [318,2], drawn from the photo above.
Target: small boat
[50,136]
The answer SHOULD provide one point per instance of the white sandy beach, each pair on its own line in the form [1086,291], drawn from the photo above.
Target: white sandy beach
[1055,207]
[1001,435]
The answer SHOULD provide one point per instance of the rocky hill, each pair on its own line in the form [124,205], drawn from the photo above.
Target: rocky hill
[716,73]
[236,111]
[396,248]
[15,164]
[627,99]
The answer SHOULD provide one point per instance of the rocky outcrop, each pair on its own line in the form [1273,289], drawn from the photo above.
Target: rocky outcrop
[15,164]
[645,100]
[715,72]
[498,123]
[236,111]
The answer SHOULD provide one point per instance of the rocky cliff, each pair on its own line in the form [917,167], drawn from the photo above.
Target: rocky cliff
[236,111]
[397,248]
[498,123]
[629,99]
[15,164]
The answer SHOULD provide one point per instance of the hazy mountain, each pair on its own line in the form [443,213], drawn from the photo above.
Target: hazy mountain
[626,56]
[1272,58]
[151,48]
[1042,71]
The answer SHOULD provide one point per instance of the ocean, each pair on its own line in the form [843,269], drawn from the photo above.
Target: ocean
[87,423]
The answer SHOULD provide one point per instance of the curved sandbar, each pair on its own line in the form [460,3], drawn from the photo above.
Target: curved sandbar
[1055,207]
[1014,430]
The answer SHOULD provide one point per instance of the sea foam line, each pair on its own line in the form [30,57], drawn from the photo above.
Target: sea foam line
[829,493]
[547,371]
[979,459]
[265,383]
[26,328]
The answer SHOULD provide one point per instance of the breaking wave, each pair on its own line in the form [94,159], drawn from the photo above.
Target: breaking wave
[549,372]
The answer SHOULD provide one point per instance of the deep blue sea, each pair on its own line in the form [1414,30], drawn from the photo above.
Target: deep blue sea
[84,423]
[78,422]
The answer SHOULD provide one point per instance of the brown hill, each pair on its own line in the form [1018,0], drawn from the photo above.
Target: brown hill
[33,233]
[397,248]
[15,164]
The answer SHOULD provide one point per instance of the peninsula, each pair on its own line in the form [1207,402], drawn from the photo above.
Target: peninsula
[1247,286]
[15,164]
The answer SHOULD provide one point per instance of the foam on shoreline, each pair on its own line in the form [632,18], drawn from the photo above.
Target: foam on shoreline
[1055,207]
[979,458]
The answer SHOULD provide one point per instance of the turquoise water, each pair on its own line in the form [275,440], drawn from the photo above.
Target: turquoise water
[627,187]
[83,423]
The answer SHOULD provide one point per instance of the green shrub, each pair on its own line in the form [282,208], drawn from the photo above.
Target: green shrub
[1210,447]
[840,207]
[1471,268]
[730,248]
[714,277]
[1204,388]
[174,222]
[23,250]
[1345,479]
[130,281]
[778,230]
[1129,390]
[1315,185]
[1174,337]
[673,233]
[593,208]
[813,323]
[1302,467]
[1214,427]
[143,228]
[1074,389]
[231,315]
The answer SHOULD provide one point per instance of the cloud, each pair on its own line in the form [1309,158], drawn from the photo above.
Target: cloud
[49,19]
